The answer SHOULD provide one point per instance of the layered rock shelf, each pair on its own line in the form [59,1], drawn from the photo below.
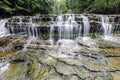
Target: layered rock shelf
[19,24]
[51,62]
[41,56]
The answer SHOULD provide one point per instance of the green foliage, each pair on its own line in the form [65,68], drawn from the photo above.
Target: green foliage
[59,6]
[33,7]
[24,7]
[96,6]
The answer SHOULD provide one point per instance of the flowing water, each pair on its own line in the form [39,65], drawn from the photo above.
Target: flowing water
[3,29]
[3,67]
[86,25]
[32,33]
[106,26]
[74,59]
[107,29]
[68,28]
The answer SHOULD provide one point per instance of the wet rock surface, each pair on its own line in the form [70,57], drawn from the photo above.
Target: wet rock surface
[52,62]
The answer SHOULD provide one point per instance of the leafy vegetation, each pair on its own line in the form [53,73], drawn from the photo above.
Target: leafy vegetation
[24,7]
[32,7]
[96,6]
[59,6]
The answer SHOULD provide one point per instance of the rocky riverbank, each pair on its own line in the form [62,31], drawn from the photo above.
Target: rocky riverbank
[41,61]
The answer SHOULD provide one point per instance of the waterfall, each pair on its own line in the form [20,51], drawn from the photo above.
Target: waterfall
[51,31]
[86,25]
[32,30]
[67,26]
[60,23]
[68,29]
[51,39]
[3,29]
[86,29]
[106,25]
[32,33]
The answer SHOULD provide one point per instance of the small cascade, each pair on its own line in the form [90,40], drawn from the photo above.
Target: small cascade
[67,27]
[51,32]
[60,23]
[51,39]
[32,33]
[11,28]
[32,30]
[29,40]
[52,28]
[86,25]
[21,29]
[107,27]
[3,29]
[86,29]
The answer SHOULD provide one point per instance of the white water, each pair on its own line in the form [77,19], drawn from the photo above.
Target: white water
[67,26]
[29,40]
[32,29]
[86,25]
[67,29]
[32,33]
[60,24]
[107,27]
[66,42]
[3,67]
[51,39]
[86,29]
[3,29]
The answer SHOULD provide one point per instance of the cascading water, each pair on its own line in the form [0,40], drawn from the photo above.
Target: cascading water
[51,39]
[90,61]
[67,29]
[3,67]
[32,33]
[32,30]
[60,23]
[86,25]
[67,26]
[107,27]
[3,30]
[86,29]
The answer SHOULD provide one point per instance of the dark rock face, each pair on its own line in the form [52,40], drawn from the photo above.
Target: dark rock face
[18,47]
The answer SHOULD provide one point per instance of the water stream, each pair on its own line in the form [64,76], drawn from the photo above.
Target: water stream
[32,34]
[74,53]
[108,29]
[3,29]
[3,67]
